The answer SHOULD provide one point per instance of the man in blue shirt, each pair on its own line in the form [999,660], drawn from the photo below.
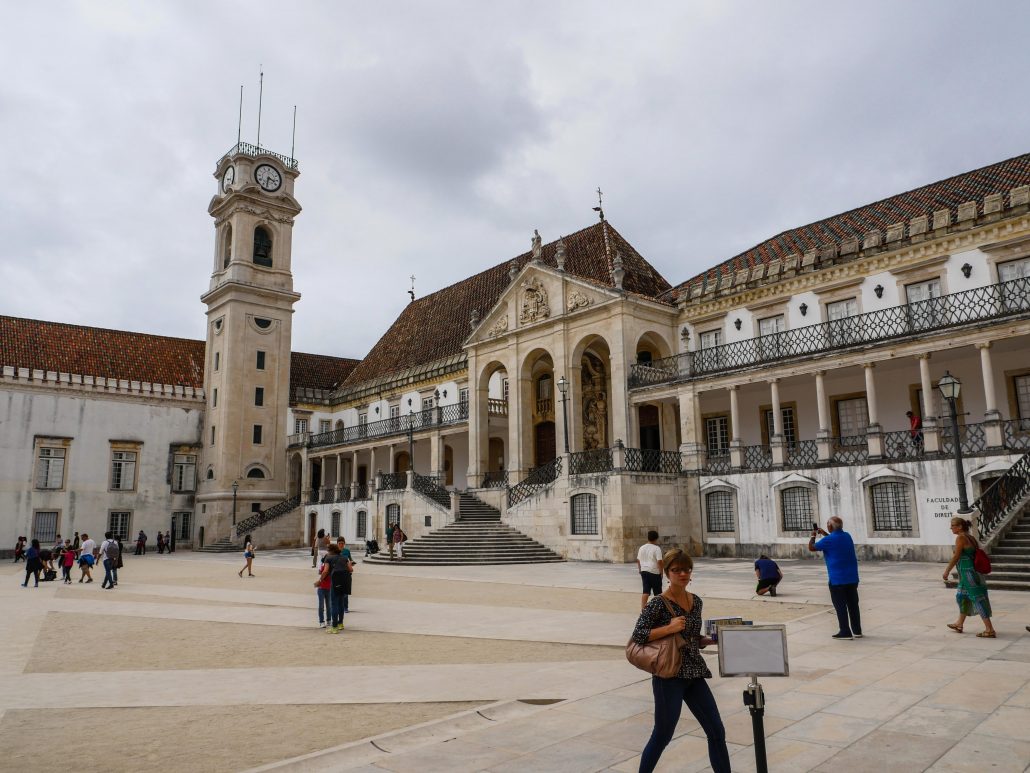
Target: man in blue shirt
[842,567]
[768,574]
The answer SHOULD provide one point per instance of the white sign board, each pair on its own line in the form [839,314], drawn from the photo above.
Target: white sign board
[760,650]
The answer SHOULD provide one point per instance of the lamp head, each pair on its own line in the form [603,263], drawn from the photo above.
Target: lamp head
[563,385]
[235,486]
[949,386]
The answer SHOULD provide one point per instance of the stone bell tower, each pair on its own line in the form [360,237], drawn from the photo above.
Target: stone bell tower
[249,323]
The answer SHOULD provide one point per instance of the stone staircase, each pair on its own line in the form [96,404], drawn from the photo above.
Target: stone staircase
[478,537]
[1010,558]
[223,545]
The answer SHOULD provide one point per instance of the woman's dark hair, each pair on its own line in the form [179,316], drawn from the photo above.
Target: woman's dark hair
[334,549]
[35,544]
[676,557]
[246,539]
[321,533]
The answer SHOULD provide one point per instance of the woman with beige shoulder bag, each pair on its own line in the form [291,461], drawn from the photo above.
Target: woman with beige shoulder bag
[677,612]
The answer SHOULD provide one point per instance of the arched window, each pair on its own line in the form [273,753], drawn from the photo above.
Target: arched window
[644,357]
[255,472]
[262,247]
[393,514]
[797,508]
[227,247]
[584,514]
[362,530]
[334,529]
[719,510]
[210,473]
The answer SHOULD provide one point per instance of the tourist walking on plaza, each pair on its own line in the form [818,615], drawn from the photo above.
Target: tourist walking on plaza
[67,562]
[389,538]
[341,543]
[842,568]
[76,543]
[19,550]
[324,591]
[160,543]
[649,564]
[399,538]
[109,558]
[86,558]
[169,545]
[768,574]
[972,587]
[33,564]
[141,543]
[248,555]
[340,579]
[319,548]
[689,686]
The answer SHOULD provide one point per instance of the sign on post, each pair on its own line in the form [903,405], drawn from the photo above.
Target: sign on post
[753,650]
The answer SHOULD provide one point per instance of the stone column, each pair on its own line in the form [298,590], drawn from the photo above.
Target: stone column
[575,405]
[393,455]
[479,434]
[992,417]
[618,398]
[339,477]
[776,442]
[823,440]
[736,454]
[520,426]
[874,437]
[372,467]
[668,420]
[435,457]
[931,432]
[690,416]
[354,475]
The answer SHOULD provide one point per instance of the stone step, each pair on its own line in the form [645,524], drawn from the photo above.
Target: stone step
[223,545]
[472,562]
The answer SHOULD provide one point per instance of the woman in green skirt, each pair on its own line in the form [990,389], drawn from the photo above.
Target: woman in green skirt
[972,587]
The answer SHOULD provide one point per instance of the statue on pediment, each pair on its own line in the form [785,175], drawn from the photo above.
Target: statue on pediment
[534,302]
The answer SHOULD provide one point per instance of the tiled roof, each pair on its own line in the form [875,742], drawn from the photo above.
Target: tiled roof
[944,194]
[94,351]
[435,327]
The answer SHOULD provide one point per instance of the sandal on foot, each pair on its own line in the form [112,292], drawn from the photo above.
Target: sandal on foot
[986,635]
[955,628]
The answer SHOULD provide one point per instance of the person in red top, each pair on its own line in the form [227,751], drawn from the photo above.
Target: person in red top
[324,590]
[915,431]
[67,562]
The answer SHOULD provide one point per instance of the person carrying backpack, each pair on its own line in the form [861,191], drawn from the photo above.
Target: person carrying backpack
[340,578]
[109,554]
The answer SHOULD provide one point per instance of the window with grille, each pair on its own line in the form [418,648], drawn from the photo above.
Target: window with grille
[1021,386]
[362,419]
[891,509]
[719,507]
[584,514]
[393,514]
[797,508]
[334,528]
[118,524]
[1014,269]
[300,426]
[771,325]
[852,417]
[50,468]
[44,526]
[362,527]
[790,436]
[717,434]
[259,396]
[183,524]
[711,338]
[123,470]
[184,472]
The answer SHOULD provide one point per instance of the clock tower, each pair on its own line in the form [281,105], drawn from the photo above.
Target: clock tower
[249,322]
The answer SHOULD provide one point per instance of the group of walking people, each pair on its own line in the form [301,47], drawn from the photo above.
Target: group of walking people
[65,554]
[335,567]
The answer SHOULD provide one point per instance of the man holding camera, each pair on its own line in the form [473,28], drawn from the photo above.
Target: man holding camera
[842,567]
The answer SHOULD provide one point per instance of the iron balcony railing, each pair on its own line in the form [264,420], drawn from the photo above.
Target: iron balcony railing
[313,496]
[1005,495]
[592,462]
[246,149]
[362,492]
[972,439]
[998,301]
[538,479]
[397,425]
[1017,434]
[757,457]
[849,449]
[718,462]
[804,453]
[652,460]
[393,481]
[903,444]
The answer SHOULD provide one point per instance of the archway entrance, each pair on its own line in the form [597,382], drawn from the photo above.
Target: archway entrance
[650,430]
[401,462]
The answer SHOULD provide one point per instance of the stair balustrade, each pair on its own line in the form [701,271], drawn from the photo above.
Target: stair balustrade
[538,479]
[1003,498]
[260,519]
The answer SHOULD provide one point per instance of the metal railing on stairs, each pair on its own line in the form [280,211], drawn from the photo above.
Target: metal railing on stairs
[538,479]
[1003,498]
[260,519]
[429,488]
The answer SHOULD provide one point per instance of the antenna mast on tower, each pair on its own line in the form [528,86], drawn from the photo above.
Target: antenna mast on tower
[293,139]
[261,93]
[239,125]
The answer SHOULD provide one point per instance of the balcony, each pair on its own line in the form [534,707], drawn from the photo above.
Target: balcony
[1005,300]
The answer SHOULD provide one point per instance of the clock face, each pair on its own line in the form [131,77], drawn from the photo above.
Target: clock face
[228,178]
[268,177]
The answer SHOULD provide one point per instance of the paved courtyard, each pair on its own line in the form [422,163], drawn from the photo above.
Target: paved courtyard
[186,666]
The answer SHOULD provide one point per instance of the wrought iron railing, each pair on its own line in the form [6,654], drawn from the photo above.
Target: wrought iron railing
[902,444]
[972,439]
[1003,497]
[718,462]
[757,457]
[328,494]
[313,496]
[395,425]
[361,491]
[259,519]
[997,301]
[652,460]
[849,449]
[497,479]
[343,495]
[1016,434]
[538,479]
[497,407]
[592,462]
[393,481]
[427,486]
[246,149]
[804,453]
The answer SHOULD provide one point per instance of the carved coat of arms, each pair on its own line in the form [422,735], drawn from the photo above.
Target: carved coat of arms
[534,302]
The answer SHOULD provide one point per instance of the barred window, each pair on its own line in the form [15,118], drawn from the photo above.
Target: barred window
[184,472]
[393,514]
[334,528]
[118,524]
[50,468]
[123,470]
[797,508]
[44,526]
[719,506]
[584,514]
[891,509]
[362,529]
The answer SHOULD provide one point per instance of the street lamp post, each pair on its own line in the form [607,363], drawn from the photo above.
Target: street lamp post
[411,440]
[563,387]
[235,488]
[950,387]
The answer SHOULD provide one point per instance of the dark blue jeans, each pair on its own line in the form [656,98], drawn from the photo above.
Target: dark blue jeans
[339,599]
[324,608]
[669,697]
[108,574]
[845,602]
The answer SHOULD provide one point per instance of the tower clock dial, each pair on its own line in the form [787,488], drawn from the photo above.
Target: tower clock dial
[268,177]
[228,177]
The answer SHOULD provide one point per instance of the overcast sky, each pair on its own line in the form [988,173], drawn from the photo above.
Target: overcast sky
[433,137]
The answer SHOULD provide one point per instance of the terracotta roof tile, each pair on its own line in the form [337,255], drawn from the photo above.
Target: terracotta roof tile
[435,327]
[944,194]
[318,371]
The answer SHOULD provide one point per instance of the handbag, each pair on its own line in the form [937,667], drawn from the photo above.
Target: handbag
[661,657]
[981,562]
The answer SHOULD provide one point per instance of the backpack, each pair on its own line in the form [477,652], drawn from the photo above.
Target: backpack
[113,551]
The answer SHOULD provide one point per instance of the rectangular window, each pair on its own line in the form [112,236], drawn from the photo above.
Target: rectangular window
[771,325]
[711,338]
[218,359]
[212,434]
[300,426]
[797,509]
[584,514]
[790,436]
[891,511]
[260,360]
[118,524]
[184,472]
[214,397]
[463,395]
[362,528]
[852,417]
[123,470]
[769,341]
[717,435]
[841,309]
[504,389]
[255,507]
[50,468]
[427,403]
[924,311]
[183,524]
[324,425]
[1015,296]
[1014,269]
[1021,386]
[719,505]
[395,411]
[841,327]
[257,434]
[44,526]
[362,419]
[259,396]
